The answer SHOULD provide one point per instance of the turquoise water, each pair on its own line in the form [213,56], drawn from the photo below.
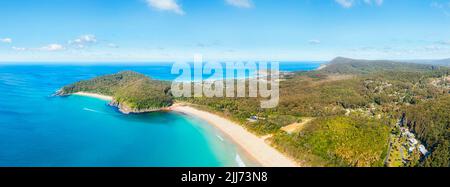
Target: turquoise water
[37,129]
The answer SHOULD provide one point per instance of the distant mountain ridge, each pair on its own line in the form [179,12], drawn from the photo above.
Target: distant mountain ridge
[442,62]
[357,66]
[445,62]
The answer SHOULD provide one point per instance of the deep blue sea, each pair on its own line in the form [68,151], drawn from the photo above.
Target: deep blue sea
[37,129]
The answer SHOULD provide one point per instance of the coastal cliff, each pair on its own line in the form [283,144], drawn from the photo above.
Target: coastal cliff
[125,109]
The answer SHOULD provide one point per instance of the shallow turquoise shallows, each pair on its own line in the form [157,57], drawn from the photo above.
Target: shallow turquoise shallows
[37,129]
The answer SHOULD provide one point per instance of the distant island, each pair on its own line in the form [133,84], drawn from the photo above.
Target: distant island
[348,112]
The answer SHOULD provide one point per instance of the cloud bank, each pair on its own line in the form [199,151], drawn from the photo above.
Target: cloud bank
[314,42]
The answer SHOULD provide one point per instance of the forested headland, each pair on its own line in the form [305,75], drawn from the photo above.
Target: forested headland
[132,92]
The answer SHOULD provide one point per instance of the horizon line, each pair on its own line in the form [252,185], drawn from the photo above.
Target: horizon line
[89,62]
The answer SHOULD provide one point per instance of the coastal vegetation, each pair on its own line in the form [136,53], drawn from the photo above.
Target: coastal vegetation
[339,141]
[132,92]
[356,105]
[359,111]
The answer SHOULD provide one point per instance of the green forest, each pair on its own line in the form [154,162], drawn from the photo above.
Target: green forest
[430,120]
[355,106]
[133,89]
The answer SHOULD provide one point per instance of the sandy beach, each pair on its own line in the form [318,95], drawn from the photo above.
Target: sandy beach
[323,66]
[255,146]
[98,96]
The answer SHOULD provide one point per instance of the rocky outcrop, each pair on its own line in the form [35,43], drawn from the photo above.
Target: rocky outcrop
[61,93]
[125,109]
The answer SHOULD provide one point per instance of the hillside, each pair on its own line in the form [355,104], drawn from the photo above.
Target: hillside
[132,92]
[356,66]
[441,62]
[431,123]
[355,105]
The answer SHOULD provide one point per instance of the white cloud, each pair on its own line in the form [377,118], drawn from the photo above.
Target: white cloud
[113,45]
[376,2]
[314,42]
[433,48]
[19,48]
[166,5]
[50,47]
[84,40]
[345,3]
[80,43]
[53,47]
[240,3]
[351,3]
[6,40]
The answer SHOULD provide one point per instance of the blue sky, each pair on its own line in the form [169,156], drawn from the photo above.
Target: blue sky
[169,30]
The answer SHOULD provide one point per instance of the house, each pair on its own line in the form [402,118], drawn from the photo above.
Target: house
[423,150]
[253,119]
[409,134]
[412,141]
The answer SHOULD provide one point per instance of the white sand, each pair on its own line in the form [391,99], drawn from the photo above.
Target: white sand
[98,96]
[256,147]
[323,66]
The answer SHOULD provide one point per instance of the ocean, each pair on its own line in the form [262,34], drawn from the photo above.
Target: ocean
[37,129]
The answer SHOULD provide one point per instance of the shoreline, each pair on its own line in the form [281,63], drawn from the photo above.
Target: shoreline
[94,95]
[322,66]
[254,146]
[124,109]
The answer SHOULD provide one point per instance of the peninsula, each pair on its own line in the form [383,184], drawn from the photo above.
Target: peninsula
[131,92]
